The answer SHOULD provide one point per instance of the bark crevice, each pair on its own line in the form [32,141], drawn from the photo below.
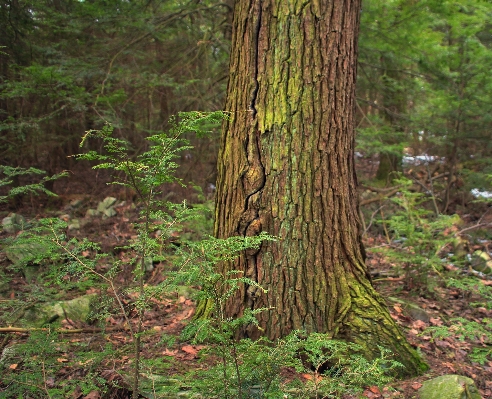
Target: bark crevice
[256,39]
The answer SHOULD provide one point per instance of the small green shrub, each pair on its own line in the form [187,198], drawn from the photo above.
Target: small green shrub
[473,286]
[40,358]
[417,238]
[325,368]
[337,367]
[476,333]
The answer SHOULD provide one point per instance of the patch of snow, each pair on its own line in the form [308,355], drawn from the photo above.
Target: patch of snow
[480,194]
[420,159]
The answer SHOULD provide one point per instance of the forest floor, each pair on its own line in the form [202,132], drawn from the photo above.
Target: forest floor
[169,315]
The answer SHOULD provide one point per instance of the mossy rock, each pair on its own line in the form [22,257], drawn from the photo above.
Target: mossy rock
[26,252]
[482,262]
[107,203]
[13,223]
[412,310]
[77,309]
[449,387]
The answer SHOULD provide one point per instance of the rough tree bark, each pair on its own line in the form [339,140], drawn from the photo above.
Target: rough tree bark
[286,166]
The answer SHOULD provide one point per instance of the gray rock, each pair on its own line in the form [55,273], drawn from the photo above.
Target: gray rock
[31,273]
[13,223]
[482,262]
[74,224]
[29,255]
[25,252]
[76,203]
[108,202]
[449,387]
[149,264]
[91,212]
[110,212]
[77,309]
[412,310]
[7,354]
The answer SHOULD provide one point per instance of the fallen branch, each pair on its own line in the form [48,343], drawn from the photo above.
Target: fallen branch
[6,330]
[380,197]
[380,190]
[475,226]
[366,229]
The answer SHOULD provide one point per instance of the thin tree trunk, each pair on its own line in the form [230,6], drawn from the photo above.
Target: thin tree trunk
[286,166]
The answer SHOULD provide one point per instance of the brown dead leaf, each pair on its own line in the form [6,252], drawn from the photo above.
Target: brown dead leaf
[451,268]
[397,308]
[61,360]
[13,366]
[419,324]
[189,349]
[375,389]
[443,344]
[416,385]
[369,394]
[77,393]
[111,375]
[167,352]
[310,377]
[183,315]
[436,321]
[93,395]
[449,366]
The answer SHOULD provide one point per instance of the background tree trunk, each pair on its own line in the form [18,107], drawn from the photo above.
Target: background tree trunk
[286,166]
[394,104]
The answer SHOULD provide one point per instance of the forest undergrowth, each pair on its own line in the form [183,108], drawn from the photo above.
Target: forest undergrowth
[145,262]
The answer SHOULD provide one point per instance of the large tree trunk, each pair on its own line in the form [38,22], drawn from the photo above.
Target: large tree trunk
[286,167]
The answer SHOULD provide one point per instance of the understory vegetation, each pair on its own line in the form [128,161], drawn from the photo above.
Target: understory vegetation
[237,368]
[119,348]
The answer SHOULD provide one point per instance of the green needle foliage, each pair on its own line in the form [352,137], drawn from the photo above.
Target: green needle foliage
[255,369]
[9,176]
[424,85]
